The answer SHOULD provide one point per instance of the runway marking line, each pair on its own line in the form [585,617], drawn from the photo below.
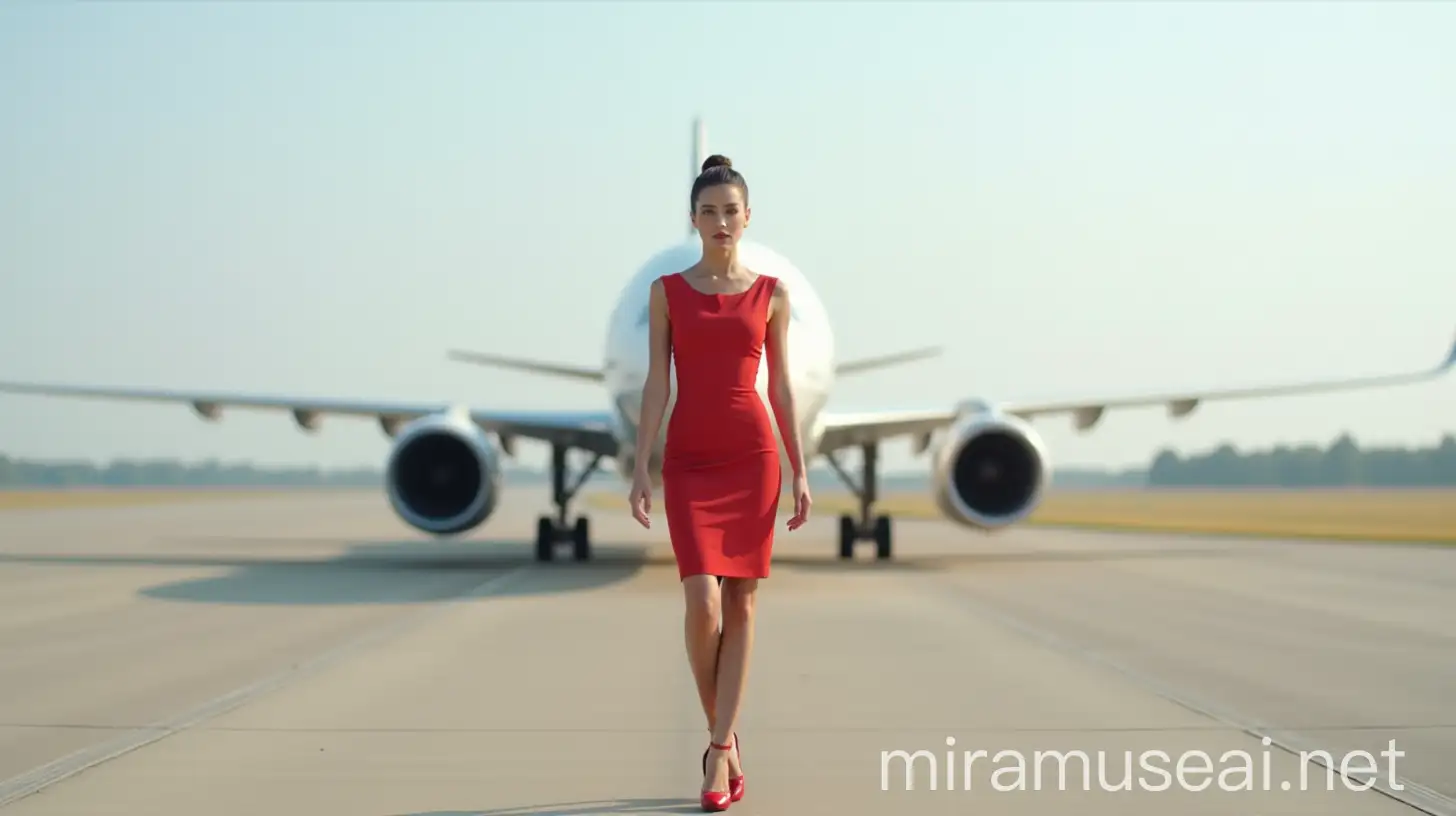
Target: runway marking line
[39,778]
[1411,793]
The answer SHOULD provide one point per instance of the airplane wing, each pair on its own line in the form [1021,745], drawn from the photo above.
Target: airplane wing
[588,430]
[847,430]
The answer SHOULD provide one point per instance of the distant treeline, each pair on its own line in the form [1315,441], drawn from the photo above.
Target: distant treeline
[171,473]
[1342,463]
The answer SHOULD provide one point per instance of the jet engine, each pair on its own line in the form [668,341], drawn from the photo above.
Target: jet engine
[444,473]
[991,471]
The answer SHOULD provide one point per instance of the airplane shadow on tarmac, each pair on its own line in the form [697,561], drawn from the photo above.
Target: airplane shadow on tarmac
[407,572]
[370,572]
[392,572]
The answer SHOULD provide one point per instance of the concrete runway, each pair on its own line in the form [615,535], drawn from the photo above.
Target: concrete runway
[310,655]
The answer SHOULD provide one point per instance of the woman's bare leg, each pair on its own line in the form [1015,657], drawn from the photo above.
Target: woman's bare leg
[738,599]
[702,623]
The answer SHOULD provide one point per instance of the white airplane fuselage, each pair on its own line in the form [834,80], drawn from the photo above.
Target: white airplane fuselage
[810,351]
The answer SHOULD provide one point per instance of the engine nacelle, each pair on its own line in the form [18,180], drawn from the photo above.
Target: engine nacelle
[443,476]
[991,471]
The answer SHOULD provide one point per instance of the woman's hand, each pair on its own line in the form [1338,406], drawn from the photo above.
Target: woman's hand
[641,497]
[802,502]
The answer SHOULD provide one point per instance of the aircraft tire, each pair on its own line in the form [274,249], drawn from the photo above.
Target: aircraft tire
[545,539]
[883,542]
[581,539]
[847,535]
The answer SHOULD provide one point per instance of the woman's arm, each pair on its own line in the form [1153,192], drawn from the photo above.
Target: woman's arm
[657,388]
[781,390]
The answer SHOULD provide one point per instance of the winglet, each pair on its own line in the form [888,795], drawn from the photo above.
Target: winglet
[562,370]
[1450,359]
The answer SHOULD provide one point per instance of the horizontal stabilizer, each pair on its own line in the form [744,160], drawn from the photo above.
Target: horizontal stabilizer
[864,364]
[566,371]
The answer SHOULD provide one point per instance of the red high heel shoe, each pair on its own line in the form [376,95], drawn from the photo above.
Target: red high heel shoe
[713,801]
[736,784]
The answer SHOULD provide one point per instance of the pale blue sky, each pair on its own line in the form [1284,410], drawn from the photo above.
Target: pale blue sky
[1074,198]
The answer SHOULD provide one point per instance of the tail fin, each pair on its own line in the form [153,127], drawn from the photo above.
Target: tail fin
[562,370]
[864,364]
[700,155]
[700,147]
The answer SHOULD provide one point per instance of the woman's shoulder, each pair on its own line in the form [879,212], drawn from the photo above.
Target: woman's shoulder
[670,279]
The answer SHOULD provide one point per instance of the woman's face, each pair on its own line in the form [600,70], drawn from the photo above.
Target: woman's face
[722,215]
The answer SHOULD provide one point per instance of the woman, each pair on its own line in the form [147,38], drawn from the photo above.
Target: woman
[721,472]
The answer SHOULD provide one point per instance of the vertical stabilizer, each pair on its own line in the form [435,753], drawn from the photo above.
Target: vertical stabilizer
[700,147]
[700,155]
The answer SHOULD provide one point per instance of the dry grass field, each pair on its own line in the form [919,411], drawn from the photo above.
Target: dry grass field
[1378,515]
[1388,515]
[43,499]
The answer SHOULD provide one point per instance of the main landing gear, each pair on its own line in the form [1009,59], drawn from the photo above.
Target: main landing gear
[864,528]
[553,530]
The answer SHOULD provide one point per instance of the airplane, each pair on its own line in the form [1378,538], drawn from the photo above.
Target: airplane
[443,473]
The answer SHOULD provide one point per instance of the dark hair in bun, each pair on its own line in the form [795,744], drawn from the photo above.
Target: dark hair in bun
[717,169]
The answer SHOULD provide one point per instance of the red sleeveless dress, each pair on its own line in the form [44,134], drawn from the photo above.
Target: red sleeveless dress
[721,472]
